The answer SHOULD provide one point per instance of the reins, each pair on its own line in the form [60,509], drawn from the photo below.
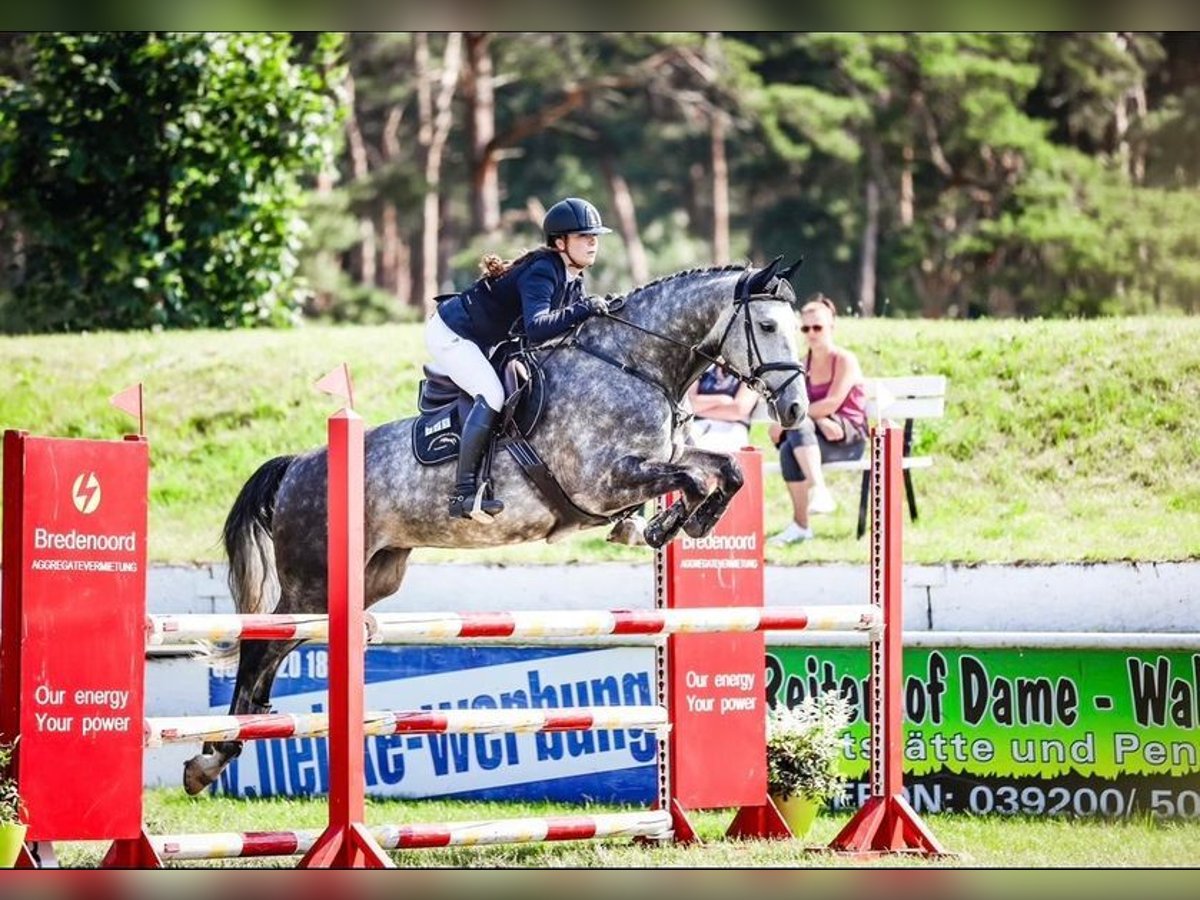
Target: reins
[742,301]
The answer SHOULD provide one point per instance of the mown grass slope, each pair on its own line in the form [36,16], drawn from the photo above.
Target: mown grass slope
[1063,440]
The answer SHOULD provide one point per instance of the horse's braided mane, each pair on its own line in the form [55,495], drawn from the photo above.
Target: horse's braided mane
[700,270]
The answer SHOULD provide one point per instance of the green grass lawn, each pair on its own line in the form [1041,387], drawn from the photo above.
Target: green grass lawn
[980,842]
[1062,440]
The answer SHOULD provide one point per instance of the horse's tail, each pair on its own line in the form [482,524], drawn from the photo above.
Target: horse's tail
[253,581]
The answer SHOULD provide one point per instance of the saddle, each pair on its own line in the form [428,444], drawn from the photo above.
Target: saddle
[442,406]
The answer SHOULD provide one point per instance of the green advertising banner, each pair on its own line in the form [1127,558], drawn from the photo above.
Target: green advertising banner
[1045,731]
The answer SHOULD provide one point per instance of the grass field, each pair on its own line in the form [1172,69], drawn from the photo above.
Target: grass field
[977,842]
[1063,440]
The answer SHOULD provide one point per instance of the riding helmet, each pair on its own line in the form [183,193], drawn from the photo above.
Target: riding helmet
[572,216]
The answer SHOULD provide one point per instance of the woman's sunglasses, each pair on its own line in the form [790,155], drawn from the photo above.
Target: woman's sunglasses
[805,329]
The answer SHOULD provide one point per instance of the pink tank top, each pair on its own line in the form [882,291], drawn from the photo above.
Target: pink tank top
[853,408]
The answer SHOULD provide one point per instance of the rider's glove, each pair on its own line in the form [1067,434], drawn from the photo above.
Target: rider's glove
[597,305]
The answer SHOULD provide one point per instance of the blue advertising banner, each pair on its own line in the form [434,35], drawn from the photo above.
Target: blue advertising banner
[614,766]
[1043,732]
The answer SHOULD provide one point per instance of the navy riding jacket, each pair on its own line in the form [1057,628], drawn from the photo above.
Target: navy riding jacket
[535,292]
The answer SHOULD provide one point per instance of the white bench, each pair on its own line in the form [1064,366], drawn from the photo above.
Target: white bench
[904,399]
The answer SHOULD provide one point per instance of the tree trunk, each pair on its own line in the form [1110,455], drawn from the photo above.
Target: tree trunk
[485,168]
[907,194]
[364,255]
[870,244]
[435,121]
[424,137]
[394,258]
[623,204]
[720,190]
[695,201]
[1137,161]
[720,165]
[322,299]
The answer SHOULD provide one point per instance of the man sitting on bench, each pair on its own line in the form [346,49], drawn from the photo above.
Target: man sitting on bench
[836,426]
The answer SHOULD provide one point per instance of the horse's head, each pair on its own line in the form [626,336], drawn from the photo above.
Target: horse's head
[757,338]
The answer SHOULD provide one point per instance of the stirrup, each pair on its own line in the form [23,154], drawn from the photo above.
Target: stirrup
[484,509]
[476,506]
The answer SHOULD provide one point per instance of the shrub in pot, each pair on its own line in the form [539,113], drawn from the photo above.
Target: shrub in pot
[12,829]
[804,752]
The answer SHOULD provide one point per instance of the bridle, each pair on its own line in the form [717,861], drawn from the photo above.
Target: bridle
[742,298]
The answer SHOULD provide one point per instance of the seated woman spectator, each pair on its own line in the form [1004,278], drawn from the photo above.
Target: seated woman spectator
[722,406]
[836,426]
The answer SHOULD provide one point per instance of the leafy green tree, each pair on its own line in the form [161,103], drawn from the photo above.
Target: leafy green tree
[158,180]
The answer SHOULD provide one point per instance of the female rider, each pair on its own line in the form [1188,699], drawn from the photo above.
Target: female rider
[542,290]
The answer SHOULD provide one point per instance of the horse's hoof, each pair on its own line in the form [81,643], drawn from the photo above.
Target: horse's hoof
[655,536]
[199,772]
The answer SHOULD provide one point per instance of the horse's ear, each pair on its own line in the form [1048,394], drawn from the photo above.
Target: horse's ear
[759,280]
[792,269]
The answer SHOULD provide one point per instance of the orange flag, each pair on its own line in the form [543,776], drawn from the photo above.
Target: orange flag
[338,383]
[130,401]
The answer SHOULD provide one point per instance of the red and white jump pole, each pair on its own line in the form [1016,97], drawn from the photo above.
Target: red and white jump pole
[547,626]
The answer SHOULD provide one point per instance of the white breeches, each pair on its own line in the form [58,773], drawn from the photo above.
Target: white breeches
[718,434]
[463,362]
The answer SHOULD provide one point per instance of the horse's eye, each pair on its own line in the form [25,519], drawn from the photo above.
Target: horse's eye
[768,326]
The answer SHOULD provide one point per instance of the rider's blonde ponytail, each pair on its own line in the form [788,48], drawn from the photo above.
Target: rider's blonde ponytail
[492,265]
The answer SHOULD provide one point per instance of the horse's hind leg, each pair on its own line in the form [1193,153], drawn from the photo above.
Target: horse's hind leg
[385,570]
[260,661]
[257,665]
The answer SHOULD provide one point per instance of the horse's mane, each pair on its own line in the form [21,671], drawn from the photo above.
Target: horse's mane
[700,270]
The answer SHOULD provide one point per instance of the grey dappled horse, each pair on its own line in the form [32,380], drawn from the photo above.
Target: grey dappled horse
[612,432]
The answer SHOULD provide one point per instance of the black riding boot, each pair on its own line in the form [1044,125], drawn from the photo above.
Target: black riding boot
[468,502]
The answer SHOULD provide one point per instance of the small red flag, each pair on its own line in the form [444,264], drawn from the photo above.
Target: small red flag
[130,401]
[338,383]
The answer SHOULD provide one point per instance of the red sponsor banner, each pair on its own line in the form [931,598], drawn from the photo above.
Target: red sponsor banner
[718,696]
[72,661]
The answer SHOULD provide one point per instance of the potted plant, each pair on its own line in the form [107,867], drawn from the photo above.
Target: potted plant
[804,752]
[12,829]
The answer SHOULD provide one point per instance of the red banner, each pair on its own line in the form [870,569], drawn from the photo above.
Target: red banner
[718,696]
[74,606]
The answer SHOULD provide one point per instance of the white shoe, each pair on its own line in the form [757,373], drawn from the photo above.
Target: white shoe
[630,531]
[791,535]
[821,501]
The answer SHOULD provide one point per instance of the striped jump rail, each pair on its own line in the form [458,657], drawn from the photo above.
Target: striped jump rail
[652,825]
[426,628]
[160,731]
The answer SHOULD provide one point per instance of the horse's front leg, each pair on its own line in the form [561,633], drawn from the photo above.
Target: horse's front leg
[257,664]
[729,478]
[655,478]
